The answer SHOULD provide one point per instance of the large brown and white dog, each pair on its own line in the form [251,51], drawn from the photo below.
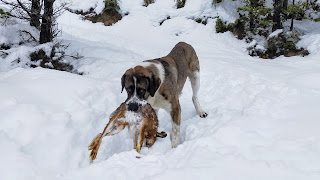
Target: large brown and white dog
[160,82]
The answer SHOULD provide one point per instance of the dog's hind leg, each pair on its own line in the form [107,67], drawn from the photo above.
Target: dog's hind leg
[195,84]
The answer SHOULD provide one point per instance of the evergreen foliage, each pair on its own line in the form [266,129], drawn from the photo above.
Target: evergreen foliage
[237,28]
[315,5]
[221,26]
[257,21]
[215,2]
[111,5]
[4,14]
[296,11]
[256,16]
[147,2]
[181,3]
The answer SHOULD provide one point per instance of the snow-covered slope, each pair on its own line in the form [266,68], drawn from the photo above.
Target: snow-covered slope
[263,118]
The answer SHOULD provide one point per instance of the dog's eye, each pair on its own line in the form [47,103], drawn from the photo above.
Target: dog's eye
[130,89]
[142,91]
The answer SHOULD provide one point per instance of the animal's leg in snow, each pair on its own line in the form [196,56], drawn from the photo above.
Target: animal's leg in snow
[112,128]
[195,84]
[140,139]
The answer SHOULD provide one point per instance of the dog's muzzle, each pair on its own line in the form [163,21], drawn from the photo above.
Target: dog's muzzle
[133,107]
[134,104]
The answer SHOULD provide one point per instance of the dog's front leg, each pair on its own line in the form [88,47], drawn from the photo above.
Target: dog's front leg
[176,119]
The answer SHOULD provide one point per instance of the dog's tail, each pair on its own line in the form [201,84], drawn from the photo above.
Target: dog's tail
[161,134]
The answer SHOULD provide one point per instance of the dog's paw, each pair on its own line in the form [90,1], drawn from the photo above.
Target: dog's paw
[203,114]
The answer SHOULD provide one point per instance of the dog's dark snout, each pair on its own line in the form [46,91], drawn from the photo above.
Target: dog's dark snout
[133,107]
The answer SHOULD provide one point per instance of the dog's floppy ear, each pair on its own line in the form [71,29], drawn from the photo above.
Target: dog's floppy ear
[154,84]
[123,81]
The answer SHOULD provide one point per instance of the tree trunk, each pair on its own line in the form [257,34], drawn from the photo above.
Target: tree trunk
[285,7]
[46,34]
[285,4]
[276,15]
[35,14]
[291,27]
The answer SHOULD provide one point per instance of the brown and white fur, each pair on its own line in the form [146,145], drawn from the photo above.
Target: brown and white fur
[143,123]
[160,82]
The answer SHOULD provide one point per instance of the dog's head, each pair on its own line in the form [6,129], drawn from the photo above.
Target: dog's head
[140,83]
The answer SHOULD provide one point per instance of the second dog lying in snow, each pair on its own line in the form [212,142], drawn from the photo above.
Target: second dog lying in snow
[144,124]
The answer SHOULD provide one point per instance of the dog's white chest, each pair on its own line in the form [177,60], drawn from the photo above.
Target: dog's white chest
[158,101]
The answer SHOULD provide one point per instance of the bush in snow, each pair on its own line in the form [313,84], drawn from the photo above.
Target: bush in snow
[27,55]
[109,15]
[278,43]
[181,3]
[147,2]
[20,47]
[51,58]
[4,14]
[237,28]
[221,26]
[215,2]
[261,25]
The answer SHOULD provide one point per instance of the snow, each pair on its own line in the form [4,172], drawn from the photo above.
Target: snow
[85,5]
[275,33]
[263,120]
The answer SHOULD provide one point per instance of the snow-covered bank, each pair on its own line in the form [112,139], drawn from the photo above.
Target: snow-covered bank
[263,118]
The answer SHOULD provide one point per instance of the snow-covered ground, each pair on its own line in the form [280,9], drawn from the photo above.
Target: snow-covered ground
[263,118]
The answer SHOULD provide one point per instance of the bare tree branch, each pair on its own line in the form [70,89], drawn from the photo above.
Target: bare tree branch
[59,10]
[23,7]
[18,10]
[31,38]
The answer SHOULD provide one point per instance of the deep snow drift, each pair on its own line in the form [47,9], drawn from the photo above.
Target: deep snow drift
[263,118]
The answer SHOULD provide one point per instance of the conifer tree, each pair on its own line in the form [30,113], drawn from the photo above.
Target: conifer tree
[295,11]
[255,14]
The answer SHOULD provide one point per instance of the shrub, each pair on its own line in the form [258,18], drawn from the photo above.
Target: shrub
[111,5]
[289,45]
[4,14]
[221,26]
[295,11]
[52,61]
[147,2]
[181,3]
